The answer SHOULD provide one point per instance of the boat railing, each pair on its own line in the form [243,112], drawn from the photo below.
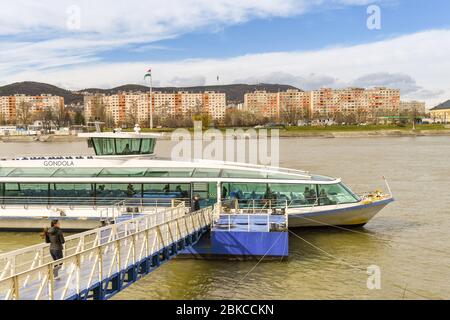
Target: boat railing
[271,216]
[103,204]
[25,259]
[264,205]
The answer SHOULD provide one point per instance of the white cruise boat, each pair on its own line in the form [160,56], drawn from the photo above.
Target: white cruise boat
[125,168]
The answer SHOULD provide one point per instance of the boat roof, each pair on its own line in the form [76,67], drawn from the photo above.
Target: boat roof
[120,135]
[94,167]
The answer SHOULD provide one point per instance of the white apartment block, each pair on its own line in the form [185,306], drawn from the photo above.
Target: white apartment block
[11,106]
[120,106]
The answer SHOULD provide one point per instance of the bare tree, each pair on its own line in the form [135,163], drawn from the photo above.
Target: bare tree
[132,114]
[24,113]
[98,109]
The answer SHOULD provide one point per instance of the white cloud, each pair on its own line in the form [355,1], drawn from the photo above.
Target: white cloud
[53,33]
[416,63]
[188,81]
[40,47]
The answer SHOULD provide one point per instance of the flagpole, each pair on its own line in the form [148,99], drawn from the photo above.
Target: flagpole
[151,100]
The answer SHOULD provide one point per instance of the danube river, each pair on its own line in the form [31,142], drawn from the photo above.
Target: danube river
[409,240]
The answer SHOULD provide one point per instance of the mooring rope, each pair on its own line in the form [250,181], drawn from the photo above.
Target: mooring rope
[354,267]
[373,235]
[254,267]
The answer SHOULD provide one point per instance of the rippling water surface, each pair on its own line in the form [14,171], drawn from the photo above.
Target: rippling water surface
[409,240]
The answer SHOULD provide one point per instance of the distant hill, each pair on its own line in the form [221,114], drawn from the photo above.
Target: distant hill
[444,105]
[38,88]
[234,92]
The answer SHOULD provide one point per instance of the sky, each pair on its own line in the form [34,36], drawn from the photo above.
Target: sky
[305,43]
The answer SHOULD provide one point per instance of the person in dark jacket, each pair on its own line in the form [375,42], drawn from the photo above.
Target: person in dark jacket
[55,237]
[196,203]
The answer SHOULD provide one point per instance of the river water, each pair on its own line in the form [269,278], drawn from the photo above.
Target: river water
[409,240]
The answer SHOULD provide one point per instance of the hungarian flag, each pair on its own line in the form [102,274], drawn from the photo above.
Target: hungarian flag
[148,74]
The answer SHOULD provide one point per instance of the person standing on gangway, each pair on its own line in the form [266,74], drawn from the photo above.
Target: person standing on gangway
[55,237]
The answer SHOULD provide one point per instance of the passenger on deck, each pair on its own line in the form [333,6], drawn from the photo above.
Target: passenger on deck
[268,194]
[224,192]
[310,195]
[324,199]
[196,203]
[166,188]
[127,149]
[130,190]
[178,189]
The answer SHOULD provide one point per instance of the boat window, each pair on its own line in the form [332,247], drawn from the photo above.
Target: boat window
[295,194]
[72,190]
[38,190]
[123,146]
[330,194]
[5,171]
[32,172]
[77,172]
[118,190]
[243,174]
[281,175]
[122,172]
[166,190]
[172,172]
[104,146]
[148,145]
[244,190]
[128,146]
[206,173]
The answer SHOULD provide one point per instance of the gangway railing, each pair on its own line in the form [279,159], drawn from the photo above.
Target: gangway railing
[24,259]
[100,263]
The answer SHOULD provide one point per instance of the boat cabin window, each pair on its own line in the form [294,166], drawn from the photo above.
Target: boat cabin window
[166,190]
[330,194]
[122,146]
[278,194]
[295,195]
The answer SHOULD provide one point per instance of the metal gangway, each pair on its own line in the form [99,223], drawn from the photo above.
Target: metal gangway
[101,262]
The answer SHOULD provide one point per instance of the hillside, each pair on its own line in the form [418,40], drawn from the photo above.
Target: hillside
[234,92]
[37,88]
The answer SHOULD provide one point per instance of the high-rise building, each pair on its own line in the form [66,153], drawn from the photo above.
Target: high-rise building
[13,109]
[135,106]
[324,102]
[275,104]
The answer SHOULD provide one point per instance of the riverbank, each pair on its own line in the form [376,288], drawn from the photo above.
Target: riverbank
[289,132]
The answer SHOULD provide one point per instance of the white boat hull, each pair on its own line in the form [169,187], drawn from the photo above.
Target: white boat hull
[349,215]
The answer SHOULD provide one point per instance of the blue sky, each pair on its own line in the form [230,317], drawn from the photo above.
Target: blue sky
[321,28]
[306,43]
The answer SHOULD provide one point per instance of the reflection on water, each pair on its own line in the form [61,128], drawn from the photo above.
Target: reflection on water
[408,240]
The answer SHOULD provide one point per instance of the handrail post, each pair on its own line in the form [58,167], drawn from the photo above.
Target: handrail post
[51,282]
[16,294]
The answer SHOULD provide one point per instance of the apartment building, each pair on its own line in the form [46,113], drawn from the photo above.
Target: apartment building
[412,106]
[13,107]
[135,106]
[324,102]
[274,104]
